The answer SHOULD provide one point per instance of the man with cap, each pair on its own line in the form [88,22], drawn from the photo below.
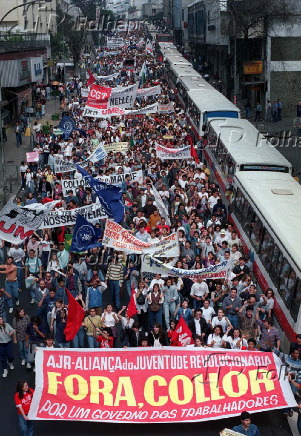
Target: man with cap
[221,238]
[246,427]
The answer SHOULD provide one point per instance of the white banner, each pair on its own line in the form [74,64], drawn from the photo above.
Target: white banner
[84,92]
[117,179]
[117,146]
[123,97]
[117,112]
[107,78]
[164,153]
[73,185]
[161,206]
[166,108]
[19,223]
[150,264]
[147,92]
[63,167]
[58,218]
[115,236]
[115,42]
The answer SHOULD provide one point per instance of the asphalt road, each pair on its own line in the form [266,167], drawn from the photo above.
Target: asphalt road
[270,423]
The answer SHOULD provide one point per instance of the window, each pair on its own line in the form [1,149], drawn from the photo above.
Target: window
[256,233]
[266,249]
[296,300]
[276,256]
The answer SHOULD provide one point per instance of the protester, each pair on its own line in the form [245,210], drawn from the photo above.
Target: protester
[23,399]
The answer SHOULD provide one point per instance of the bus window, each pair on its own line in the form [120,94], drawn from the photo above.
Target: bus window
[247,217]
[266,249]
[238,203]
[296,300]
[256,233]
[274,273]
[287,281]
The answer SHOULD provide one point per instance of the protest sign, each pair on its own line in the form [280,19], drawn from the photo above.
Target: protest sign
[117,146]
[172,384]
[117,179]
[117,237]
[19,223]
[62,217]
[219,271]
[173,153]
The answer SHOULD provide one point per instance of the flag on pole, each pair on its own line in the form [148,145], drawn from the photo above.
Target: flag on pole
[194,154]
[91,78]
[85,236]
[132,309]
[182,335]
[75,317]
[110,196]
[160,205]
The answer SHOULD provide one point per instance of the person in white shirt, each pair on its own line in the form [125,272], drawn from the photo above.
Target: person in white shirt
[199,292]
[158,280]
[221,238]
[212,200]
[236,340]
[234,239]
[208,311]
[235,255]
[221,320]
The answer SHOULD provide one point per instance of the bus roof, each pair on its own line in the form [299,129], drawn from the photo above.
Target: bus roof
[190,78]
[208,100]
[246,145]
[281,212]
[177,60]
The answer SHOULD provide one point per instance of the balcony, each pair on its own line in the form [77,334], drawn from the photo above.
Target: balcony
[23,41]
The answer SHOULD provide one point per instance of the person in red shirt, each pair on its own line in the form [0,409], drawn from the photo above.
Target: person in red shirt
[23,398]
[105,338]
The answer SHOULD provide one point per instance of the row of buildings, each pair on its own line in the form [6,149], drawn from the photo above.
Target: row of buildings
[254,53]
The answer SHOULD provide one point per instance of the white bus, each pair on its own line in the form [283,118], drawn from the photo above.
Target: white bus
[236,145]
[205,104]
[172,59]
[266,210]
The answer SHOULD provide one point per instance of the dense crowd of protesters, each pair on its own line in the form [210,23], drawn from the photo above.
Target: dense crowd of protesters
[224,313]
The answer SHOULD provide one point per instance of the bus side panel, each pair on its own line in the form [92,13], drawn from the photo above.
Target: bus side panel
[285,327]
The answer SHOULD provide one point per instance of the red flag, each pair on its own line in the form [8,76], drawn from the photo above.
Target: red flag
[91,79]
[75,317]
[194,154]
[182,335]
[132,309]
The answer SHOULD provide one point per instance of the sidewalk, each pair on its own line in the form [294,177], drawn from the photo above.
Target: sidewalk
[9,172]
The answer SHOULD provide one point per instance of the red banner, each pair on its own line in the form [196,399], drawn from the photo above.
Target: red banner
[156,385]
[99,96]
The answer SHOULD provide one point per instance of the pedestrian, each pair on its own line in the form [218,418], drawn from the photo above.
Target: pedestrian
[6,346]
[299,109]
[258,112]
[20,323]
[23,399]
[246,427]
[275,112]
[248,108]
[18,131]
[11,282]
[268,116]
[279,109]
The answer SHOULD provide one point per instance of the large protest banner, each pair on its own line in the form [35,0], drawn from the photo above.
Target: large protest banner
[72,185]
[58,218]
[117,237]
[171,384]
[117,179]
[94,112]
[151,264]
[147,92]
[116,146]
[164,153]
[19,223]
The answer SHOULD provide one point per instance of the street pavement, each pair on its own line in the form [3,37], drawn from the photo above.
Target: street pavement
[13,156]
